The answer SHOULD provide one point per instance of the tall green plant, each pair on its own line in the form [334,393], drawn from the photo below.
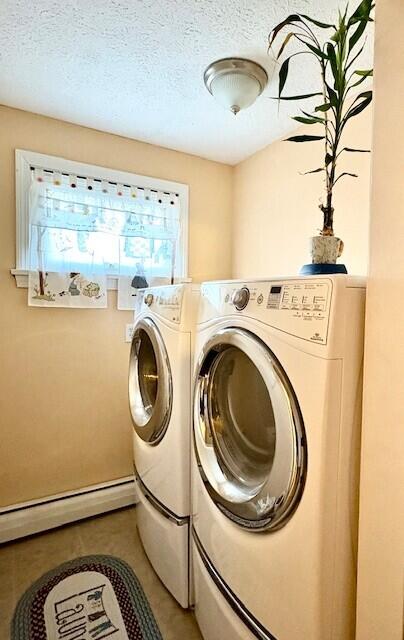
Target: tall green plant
[336,58]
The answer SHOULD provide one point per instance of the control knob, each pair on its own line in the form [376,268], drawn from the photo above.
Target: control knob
[149,299]
[240,298]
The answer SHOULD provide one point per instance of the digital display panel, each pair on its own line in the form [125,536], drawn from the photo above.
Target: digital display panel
[276,289]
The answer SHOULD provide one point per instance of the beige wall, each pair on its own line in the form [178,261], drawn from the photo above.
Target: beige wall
[63,406]
[381,528]
[276,208]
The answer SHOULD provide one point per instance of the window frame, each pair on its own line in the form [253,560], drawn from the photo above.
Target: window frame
[24,160]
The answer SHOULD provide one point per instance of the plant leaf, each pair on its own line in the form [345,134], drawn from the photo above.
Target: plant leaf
[309,120]
[332,96]
[304,138]
[318,52]
[346,10]
[363,77]
[323,107]
[333,61]
[322,25]
[357,34]
[366,72]
[301,97]
[294,17]
[284,43]
[346,173]
[364,94]
[362,12]
[328,159]
[356,56]
[314,171]
[355,150]
[355,109]
[283,74]
[284,70]
[359,108]
[314,117]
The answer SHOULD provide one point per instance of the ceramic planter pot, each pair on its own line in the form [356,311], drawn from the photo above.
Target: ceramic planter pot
[324,253]
[326,249]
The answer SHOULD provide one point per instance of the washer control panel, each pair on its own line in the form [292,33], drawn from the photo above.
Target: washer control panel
[298,307]
[166,301]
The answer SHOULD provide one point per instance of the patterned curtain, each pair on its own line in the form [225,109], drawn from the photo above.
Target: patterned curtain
[93,226]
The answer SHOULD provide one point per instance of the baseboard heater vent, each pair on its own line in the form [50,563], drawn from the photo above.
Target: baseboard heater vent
[24,519]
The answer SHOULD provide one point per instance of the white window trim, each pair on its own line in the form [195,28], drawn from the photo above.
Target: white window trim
[24,160]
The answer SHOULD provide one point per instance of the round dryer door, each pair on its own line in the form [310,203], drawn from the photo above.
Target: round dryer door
[248,431]
[150,383]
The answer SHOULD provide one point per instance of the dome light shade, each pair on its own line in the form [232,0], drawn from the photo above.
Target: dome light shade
[235,82]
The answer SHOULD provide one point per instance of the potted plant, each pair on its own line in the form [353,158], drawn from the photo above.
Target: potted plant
[338,103]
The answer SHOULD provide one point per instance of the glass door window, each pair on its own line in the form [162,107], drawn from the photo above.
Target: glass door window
[150,384]
[242,419]
[147,378]
[249,434]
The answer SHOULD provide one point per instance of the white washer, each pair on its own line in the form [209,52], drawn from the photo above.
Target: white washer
[277,406]
[160,404]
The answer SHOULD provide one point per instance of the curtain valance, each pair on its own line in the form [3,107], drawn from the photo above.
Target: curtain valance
[79,223]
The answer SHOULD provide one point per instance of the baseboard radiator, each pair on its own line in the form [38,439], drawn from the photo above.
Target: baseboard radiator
[24,519]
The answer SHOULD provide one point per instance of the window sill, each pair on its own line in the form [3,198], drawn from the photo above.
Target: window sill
[21,279]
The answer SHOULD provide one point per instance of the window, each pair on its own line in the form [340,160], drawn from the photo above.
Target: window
[75,217]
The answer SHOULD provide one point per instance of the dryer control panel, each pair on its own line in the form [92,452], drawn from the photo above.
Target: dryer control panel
[298,307]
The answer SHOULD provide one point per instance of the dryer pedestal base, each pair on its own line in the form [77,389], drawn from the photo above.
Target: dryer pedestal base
[216,619]
[165,541]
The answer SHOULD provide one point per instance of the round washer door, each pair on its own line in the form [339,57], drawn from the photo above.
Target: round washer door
[150,382]
[248,431]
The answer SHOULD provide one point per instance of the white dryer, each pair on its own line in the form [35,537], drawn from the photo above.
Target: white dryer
[277,407]
[160,404]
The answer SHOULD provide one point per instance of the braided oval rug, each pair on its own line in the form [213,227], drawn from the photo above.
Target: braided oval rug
[89,598]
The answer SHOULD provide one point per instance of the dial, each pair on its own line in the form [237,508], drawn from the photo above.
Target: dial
[149,299]
[240,298]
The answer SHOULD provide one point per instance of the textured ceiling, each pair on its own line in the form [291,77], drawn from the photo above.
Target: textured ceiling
[135,67]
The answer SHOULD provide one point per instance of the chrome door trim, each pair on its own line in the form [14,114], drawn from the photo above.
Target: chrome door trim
[256,628]
[154,429]
[272,509]
[164,511]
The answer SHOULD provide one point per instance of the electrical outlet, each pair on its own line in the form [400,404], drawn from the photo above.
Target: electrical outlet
[129,332]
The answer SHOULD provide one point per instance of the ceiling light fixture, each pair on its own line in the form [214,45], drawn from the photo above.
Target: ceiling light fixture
[235,82]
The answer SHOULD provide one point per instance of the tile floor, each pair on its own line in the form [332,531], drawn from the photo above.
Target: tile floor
[115,533]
